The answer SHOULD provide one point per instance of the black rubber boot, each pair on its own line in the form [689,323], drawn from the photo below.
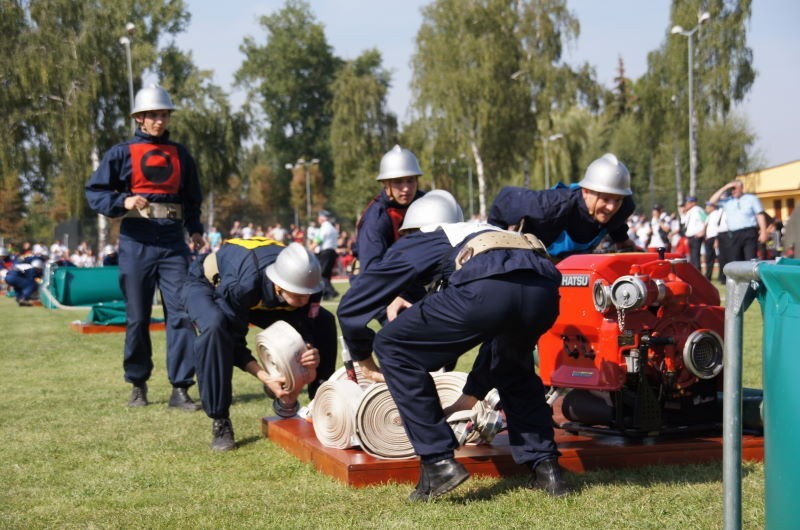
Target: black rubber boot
[547,476]
[222,435]
[138,396]
[180,400]
[438,478]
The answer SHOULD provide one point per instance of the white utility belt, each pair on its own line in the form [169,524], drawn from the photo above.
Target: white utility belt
[499,239]
[158,210]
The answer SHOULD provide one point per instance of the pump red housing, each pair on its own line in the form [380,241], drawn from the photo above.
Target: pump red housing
[638,341]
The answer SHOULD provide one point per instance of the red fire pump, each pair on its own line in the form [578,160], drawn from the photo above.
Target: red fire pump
[637,344]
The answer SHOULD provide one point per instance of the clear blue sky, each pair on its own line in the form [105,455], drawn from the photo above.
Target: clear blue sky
[609,29]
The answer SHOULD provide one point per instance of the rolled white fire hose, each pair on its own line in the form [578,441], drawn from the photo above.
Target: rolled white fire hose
[346,414]
[448,386]
[279,348]
[341,374]
[335,408]
[379,426]
[378,422]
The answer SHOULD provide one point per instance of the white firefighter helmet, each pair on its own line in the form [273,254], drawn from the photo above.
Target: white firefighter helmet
[399,162]
[152,97]
[37,263]
[607,175]
[297,270]
[434,208]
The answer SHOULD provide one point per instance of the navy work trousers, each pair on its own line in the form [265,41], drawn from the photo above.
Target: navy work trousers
[509,313]
[24,286]
[142,267]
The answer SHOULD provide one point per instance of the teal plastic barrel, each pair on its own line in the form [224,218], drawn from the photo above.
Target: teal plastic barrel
[85,285]
[779,298]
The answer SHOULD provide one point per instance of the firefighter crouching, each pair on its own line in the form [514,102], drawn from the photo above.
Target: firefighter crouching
[24,277]
[254,281]
[497,289]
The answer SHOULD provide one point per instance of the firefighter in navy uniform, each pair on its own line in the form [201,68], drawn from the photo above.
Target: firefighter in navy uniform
[568,220]
[498,287]
[152,182]
[254,281]
[378,226]
[572,219]
[24,277]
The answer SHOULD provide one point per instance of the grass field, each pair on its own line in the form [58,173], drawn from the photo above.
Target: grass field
[74,456]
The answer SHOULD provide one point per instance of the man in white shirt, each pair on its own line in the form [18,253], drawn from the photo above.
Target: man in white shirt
[694,228]
[713,219]
[327,242]
[279,233]
[58,251]
[659,229]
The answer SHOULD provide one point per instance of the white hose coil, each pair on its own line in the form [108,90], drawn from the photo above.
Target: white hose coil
[335,407]
[279,348]
[341,374]
[374,422]
[449,386]
[379,426]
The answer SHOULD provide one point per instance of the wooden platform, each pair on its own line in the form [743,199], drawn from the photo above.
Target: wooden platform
[579,453]
[85,327]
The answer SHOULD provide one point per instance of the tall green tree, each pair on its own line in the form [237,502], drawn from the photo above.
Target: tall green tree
[64,78]
[288,77]
[466,55]
[723,67]
[362,130]
[487,72]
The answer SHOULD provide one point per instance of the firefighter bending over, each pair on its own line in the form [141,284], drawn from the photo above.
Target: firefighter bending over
[498,288]
[568,220]
[258,281]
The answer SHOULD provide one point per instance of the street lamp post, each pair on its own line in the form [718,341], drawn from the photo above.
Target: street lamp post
[471,198]
[545,141]
[125,40]
[301,162]
[678,30]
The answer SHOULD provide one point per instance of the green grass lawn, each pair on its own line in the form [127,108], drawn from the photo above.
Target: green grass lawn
[74,456]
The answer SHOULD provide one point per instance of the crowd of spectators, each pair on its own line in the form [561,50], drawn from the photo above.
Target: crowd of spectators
[697,234]
[309,236]
[58,254]
[689,230]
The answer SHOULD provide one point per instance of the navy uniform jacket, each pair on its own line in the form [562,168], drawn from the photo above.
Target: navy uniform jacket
[378,228]
[549,213]
[421,258]
[158,170]
[244,293]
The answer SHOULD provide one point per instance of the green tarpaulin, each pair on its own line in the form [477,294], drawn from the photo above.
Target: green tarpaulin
[110,314]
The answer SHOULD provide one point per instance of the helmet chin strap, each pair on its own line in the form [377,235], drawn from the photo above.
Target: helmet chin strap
[279,294]
[388,188]
[591,208]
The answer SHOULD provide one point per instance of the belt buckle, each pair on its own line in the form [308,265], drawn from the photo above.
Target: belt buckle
[172,213]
